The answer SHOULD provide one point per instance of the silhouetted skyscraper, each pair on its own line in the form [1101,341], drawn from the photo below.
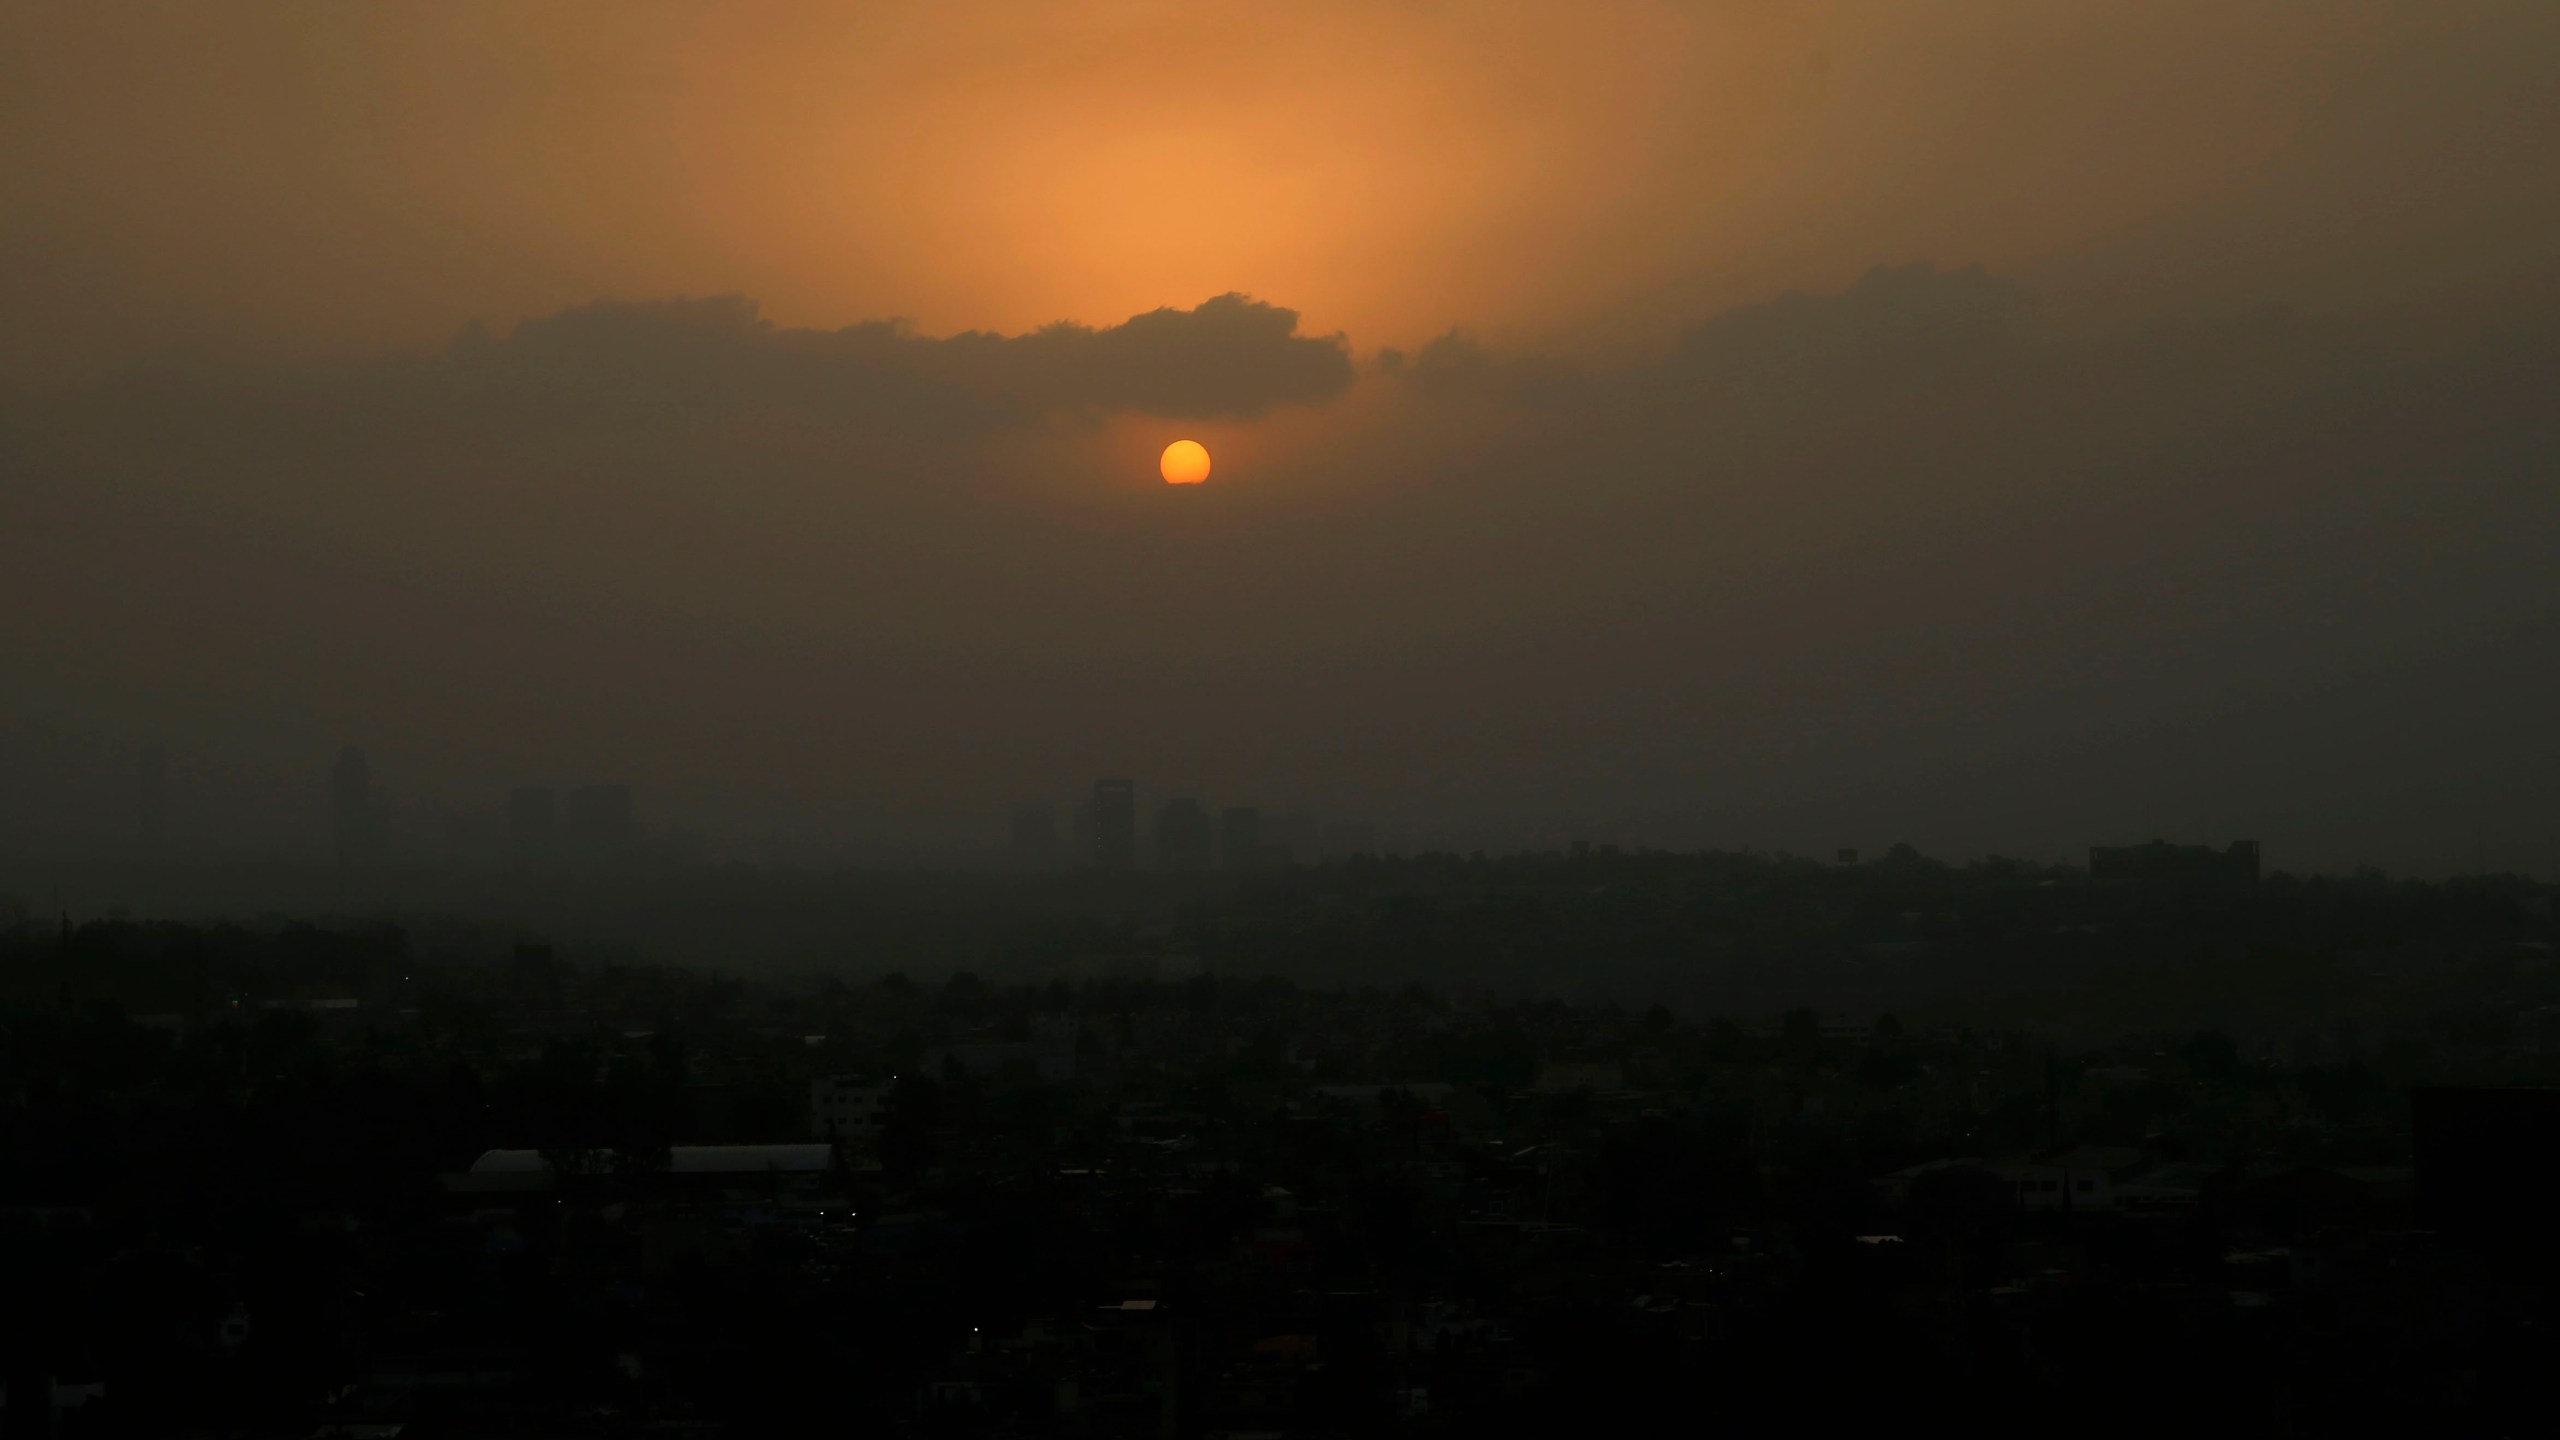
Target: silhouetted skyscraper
[533,824]
[1185,840]
[600,824]
[1240,838]
[1035,835]
[1115,824]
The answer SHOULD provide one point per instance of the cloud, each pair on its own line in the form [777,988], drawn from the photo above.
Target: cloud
[1904,316]
[1817,552]
[1913,321]
[1232,357]
[1457,363]
[1228,358]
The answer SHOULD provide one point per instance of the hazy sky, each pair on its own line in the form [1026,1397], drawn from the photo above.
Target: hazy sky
[2002,424]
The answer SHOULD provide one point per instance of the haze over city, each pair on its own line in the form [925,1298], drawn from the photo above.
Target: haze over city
[2001,427]
[1278,719]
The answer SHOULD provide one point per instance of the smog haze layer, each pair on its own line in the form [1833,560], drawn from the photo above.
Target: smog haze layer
[2000,427]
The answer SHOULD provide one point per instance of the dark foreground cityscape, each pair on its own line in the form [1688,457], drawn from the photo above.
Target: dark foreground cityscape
[1889,1146]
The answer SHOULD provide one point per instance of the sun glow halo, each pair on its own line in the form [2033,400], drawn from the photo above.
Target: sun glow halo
[1185,462]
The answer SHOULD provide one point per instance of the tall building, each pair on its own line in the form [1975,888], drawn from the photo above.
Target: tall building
[533,824]
[1240,838]
[355,816]
[1035,835]
[1115,824]
[600,826]
[1185,840]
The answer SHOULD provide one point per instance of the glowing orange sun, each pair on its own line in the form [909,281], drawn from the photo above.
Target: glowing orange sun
[1185,462]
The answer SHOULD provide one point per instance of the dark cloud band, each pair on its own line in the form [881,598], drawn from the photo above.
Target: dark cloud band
[1232,357]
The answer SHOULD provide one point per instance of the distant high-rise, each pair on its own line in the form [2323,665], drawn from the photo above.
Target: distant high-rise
[355,816]
[1035,835]
[1240,838]
[1115,824]
[533,824]
[1185,840]
[600,826]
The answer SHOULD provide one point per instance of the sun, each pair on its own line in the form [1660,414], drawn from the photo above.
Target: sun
[1185,462]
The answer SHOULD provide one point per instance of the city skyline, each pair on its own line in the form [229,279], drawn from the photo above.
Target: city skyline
[350,819]
[1278,719]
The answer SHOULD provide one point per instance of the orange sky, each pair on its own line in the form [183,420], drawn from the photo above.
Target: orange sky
[311,174]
